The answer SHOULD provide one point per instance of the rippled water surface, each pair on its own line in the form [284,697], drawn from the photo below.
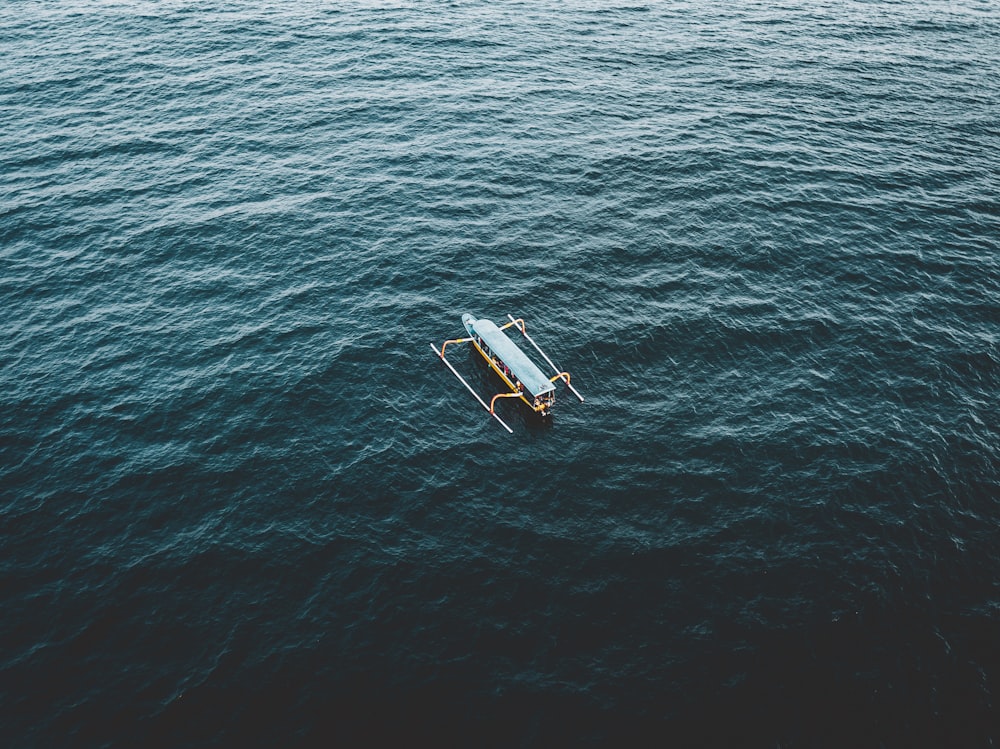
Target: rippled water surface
[242,502]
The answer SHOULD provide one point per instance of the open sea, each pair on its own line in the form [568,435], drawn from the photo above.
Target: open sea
[242,503]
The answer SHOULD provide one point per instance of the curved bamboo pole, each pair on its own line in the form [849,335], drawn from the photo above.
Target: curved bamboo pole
[453,340]
[502,395]
[520,327]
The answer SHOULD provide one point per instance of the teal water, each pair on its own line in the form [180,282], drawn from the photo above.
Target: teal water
[242,503]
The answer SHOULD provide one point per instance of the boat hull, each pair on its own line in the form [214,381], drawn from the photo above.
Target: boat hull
[541,400]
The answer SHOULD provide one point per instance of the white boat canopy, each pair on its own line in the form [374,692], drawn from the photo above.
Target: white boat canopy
[521,367]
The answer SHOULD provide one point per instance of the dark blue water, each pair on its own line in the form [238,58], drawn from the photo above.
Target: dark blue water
[242,503]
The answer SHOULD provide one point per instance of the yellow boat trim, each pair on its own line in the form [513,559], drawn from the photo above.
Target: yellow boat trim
[514,392]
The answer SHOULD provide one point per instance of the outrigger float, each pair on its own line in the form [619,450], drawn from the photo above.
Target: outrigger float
[521,375]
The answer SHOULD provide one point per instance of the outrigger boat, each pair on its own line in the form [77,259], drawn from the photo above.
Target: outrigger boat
[521,375]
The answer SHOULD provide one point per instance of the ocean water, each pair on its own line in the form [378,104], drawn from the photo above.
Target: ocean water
[243,504]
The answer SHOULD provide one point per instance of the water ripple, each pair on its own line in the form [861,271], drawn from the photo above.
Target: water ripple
[243,504]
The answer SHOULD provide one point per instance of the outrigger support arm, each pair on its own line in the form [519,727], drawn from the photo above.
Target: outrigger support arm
[454,371]
[502,395]
[559,375]
[453,340]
